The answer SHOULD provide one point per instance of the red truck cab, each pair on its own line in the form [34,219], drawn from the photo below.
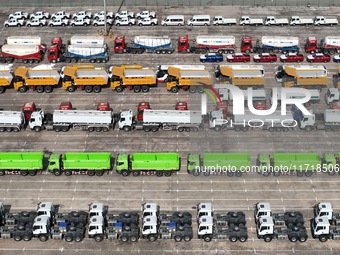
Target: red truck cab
[103,106]
[119,44]
[246,44]
[311,45]
[140,109]
[28,108]
[65,106]
[224,108]
[181,106]
[54,50]
[260,105]
[183,44]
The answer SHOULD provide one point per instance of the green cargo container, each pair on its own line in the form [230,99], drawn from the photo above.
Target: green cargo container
[23,162]
[301,163]
[225,163]
[161,163]
[93,163]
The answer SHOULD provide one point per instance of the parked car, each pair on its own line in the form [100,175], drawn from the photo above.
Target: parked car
[125,22]
[100,15]
[124,14]
[40,15]
[265,57]
[18,15]
[59,22]
[12,22]
[82,15]
[81,22]
[101,22]
[145,14]
[318,57]
[336,58]
[61,15]
[147,22]
[292,57]
[211,57]
[238,57]
[36,23]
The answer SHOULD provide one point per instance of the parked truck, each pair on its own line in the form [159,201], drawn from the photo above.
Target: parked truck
[38,79]
[26,40]
[280,226]
[143,43]
[84,77]
[296,20]
[158,163]
[243,76]
[25,53]
[191,80]
[328,45]
[11,121]
[278,44]
[134,78]
[91,49]
[321,20]
[246,20]
[207,43]
[218,163]
[6,77]
[315,97]
[306,76]
[271,20]
[219,20]
[23,163]
[162,72]
[332,98]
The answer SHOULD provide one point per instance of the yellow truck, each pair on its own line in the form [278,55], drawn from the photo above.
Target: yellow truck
[336,79]
[41,78]
[84,77]
[134,78]
[6,77]
[192,80]
[304,76]
[243,76]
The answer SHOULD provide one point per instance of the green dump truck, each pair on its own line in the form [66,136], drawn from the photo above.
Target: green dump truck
[299,163]
[219,163]
[158,163]
[90,163]
[24,163]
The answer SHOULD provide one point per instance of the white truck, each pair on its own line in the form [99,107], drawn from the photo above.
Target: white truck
[147,22]
[321,20]
[12,22]
[124,14]
[219,20]
[315,97]
[145,14]
[271,20]
[246,20]
[80,22]
[63,120]
[329,120]
[125,22]
[59,22]
[60,15]
[101,22]
[18,15]
[11,121]
[296,20]
[82,15]
[332,96]
[36,23]
[101,15]
[40,15]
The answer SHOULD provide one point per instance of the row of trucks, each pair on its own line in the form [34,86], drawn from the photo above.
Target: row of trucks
[293,21]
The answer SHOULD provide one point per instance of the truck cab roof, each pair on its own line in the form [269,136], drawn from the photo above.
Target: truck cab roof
[41,220]
[322,221]
[206,221]
[96,207]
[324,207]
[97,221]
[150,208]
[266,221]
[205,207]
[45,206]
[149,221]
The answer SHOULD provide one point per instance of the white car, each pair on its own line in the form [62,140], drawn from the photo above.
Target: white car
[124,14]
[100,15]
[147,22]
[40,15]
[61,15]
[82,15]
[145,14]
[19,15]
[12,22]
[125,22]
[36,23]
[80,22]
[101,22]
[59,22]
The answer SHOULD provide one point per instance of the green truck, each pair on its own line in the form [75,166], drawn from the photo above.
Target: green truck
[219,163]
[160,163]
[92,163]
[24,163]
[299,163]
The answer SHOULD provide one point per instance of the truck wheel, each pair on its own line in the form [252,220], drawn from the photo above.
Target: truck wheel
[152,238]
[133,238]
[98,238]
[159,173]
[187,238]
[98,129]
[293,239]
[230,173]
[2,90]
[68,238]
[174,89]
[323,238]
[22,89]
[267,239]
[167,173]
[27,238]
[302,239]
[233,239]
[136,89]
[242,239]
[238,173]
[24,173]
[91,173]
[125,172]
[119,89]
[308,173]
[48,89]
[99,172]
[145,89]
[57,172]
[136,173]
[196,173]
[43,238]
[178,238]
[91,129]
[73,60]
[17,238]
[6,25]
[32,173]
[68,172]
[127,128]
[192,89]
[2,172]
[71,89]
[207,238]
[124,238]
[97,89]
[78,238]
[88,89]
[65,128]
[217,128]
[9,129]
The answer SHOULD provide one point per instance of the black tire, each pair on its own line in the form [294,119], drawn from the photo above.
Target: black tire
[233,239]
[124,238]
[133,238]
[267,239]
[68,172]
[152,238]
[22,89]
[97,89]
[136,89]
[98,238]
[48,89]
[24,173]
[125,173]
[135,173]
[2,89]
[174,89]
[88,89]
[91,173]
[119,89]
[71,89]
[43,238]
[127,128]
[207,238]
[2,172]
[32,172]
[57,172]
[167,173]
[159,173]
[145,89]
[177,238]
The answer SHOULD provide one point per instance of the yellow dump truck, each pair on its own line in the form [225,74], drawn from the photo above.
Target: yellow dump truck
[304,76]
[84,77]
[336,79]
[6,77]
[243,76]
[41,78]
[192,80]
[133,78]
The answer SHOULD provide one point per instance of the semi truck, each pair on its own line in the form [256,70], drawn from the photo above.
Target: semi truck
[278,44]
[207,43]
[91,49]
[134,78]
[26,40]
[6,77]
[25,53]
[285,163]
[23,163]
[328,45]
[191,80]
[39,79]
[143,43]
[315,97]
[336,78]
[158,163]
[83,77]
[329,120]
[162,72]
[305,76]
[218,163]
[243,76]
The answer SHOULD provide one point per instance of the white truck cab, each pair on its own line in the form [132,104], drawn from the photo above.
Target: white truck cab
[97,209]
[204,209]
[150,209]
[262,209]
[45,209]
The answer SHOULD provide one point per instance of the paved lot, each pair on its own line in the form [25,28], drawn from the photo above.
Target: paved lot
[180,192]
